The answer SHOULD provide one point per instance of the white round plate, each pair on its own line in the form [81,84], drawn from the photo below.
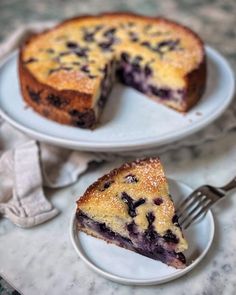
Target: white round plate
[130,121]
[127,267]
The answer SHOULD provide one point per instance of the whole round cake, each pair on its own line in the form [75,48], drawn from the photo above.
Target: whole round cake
[67,72]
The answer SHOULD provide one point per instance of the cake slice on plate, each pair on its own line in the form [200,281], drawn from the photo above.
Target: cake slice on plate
[131,207]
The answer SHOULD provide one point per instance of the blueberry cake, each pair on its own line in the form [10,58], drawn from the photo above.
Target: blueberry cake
[131,207]
[66,73]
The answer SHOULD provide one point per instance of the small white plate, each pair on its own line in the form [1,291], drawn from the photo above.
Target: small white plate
[126,267]
[130,120]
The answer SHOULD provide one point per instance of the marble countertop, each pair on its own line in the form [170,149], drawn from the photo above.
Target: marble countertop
[42,260]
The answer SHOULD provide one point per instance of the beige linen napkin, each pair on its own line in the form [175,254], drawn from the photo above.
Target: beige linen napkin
[26,165]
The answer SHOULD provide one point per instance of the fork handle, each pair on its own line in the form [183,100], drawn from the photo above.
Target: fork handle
[229,186]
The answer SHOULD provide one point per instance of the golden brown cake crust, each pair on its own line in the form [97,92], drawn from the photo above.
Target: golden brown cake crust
[116,171]
[65,100]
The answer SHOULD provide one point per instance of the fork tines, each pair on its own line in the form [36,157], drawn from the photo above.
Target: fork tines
[195,205]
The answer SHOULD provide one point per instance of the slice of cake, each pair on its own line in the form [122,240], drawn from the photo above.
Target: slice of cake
[131,207]
[66,73]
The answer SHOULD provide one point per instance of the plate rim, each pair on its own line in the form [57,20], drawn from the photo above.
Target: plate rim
[142,282]
[136,144]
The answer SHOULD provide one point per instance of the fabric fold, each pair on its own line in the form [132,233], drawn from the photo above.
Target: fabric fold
[22,199]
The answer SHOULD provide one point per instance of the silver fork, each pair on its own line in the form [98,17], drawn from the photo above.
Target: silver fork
[200,201]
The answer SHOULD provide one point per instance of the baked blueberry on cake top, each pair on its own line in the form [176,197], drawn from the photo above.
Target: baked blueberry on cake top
[131,207]
[67,72]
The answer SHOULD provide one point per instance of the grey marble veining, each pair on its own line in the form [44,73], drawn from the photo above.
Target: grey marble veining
[42,261]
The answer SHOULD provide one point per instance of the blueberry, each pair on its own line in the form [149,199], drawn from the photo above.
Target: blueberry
[85,69]
[89,37]
[128,79]
[139,87]
[71,44]
[132,205]
[82,52]
[164,93]
[120,74]
[132,229]
[102,226]
[92,76]
[146,44]
[161,92]
[109,32]
[171,44]
[133,36]
[139,202]
[181,257]
[150,218]
[83,119]
[34,95]
[56,101]
[130,178]
[136,67]
[125,56]
[170,237]
[31,60]
[80,123]
[107,184]
[134,39]
[137,59]
[175,220]
[150,234]
[158,201]
[147,70]
[105,230]
[106,45]
[74,113]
